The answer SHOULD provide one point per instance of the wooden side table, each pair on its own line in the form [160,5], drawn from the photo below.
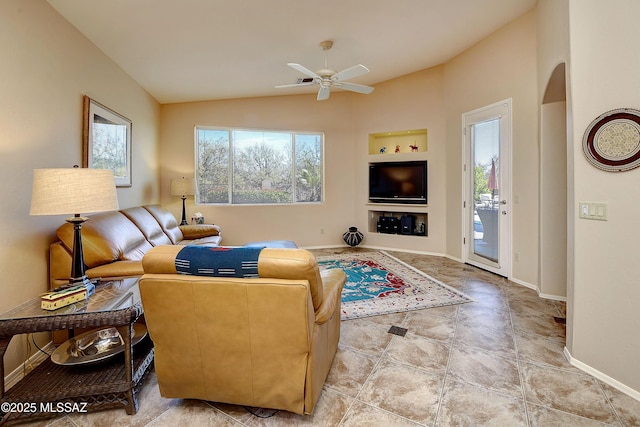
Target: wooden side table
[106,384]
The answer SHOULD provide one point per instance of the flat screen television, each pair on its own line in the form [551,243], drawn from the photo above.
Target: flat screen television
[398,182]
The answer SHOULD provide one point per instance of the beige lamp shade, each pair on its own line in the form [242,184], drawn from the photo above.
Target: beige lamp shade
[182,187]
[72,191]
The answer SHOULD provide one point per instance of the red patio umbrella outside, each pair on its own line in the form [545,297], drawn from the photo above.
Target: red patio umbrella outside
[492,184]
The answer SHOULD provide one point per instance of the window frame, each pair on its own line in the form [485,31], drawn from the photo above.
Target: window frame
[294,171]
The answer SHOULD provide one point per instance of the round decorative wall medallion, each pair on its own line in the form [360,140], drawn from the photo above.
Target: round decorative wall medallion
[612,141]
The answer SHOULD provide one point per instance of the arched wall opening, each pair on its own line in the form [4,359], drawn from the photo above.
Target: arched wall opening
[553,187]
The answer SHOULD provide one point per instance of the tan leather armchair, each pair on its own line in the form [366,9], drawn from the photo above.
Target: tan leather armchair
[264,342]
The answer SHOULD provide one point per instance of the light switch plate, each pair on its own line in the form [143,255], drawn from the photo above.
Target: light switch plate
[593,210]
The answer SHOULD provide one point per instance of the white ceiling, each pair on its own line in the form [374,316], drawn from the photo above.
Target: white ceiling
[192,50]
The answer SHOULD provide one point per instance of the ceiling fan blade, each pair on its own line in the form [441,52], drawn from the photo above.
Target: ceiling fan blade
[349,73]
[323,93]
[303,70]
[295,85]
[354,87]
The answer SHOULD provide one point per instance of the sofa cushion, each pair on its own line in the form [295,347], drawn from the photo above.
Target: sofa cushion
[198,231]
[115,242]
[107,237]
[200,234]
[167,221]
[148,225]
[205,241]
[273,244]
[125,268]
[216,261]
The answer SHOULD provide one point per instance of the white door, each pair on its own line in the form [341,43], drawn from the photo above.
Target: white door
[487,188]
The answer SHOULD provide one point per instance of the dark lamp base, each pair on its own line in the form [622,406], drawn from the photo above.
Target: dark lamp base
[184,213]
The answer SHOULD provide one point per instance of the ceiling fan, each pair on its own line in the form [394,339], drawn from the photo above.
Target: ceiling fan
[327,77]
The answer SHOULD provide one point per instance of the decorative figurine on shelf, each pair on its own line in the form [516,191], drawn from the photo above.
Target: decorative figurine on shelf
[397,148]
[413,147]
[382,150]
[353,237]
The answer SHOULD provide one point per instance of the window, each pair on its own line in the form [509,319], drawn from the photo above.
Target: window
[239,167]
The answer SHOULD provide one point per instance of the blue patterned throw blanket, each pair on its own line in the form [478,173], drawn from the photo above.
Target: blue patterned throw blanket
[218,261]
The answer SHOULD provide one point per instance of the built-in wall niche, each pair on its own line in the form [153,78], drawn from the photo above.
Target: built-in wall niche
[400,223]
[398,142]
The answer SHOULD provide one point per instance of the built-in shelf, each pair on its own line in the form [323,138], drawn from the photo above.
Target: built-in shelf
[398,142]
[394,218]
[405,223]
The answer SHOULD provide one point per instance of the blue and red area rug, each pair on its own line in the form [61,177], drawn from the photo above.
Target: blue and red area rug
[378,283]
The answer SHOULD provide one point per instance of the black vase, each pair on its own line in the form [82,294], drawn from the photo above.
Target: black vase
[353,237]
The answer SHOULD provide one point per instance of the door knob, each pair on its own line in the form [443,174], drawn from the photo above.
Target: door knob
[503,202]
[504,212]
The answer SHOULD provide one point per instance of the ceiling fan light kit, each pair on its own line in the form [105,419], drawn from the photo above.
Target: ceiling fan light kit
[326,77]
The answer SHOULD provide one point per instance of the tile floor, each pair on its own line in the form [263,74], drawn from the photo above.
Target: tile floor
[496,361]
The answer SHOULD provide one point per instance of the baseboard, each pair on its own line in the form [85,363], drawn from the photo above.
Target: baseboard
[602,377]
[535,288]
[551,297]
[525,284]
[17,374]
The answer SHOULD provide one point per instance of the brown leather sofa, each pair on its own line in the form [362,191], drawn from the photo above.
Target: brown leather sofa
[115,242]
[265,342]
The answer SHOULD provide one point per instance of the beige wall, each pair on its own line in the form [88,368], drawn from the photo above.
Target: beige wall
[553,200]
[602,290]
[556,186]
[606,293]
[414,101]
[411,102]
[308,225]
[502,66]
[346,120]
[47,66]
[499,67]
[553,50]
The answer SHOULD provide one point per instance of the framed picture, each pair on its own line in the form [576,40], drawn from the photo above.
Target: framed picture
[106,141]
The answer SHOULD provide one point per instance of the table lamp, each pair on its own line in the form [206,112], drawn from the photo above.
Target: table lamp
[183,187]
[74,191]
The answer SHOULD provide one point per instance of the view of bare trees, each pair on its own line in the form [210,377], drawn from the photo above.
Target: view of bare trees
[109,149]
[256,167]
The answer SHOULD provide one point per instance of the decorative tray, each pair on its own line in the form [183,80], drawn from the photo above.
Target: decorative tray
[94,346]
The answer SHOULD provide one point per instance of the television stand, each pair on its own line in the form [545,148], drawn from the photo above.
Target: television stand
[397,221]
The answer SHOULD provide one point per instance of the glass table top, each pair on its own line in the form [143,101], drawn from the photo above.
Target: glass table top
[109,296]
